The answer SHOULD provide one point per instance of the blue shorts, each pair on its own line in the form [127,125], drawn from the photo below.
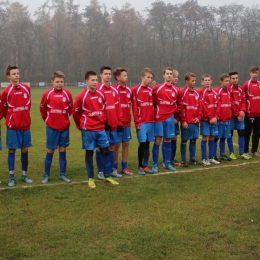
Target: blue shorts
[207,129]
[224,130]
[125,135]
[191,133]
[112,137]
[91,140]
[16,139]
[55,138]
[165,129]
[145,133]
[0,140]
[235,124]
[177,129]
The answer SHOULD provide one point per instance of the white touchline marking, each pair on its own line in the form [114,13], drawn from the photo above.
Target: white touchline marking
[202,168]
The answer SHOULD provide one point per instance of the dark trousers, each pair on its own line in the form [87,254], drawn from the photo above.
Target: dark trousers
[252,124]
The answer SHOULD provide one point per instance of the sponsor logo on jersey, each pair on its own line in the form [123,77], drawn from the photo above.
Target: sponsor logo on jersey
[110,107]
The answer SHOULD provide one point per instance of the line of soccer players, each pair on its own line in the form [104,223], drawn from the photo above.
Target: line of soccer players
[102,113]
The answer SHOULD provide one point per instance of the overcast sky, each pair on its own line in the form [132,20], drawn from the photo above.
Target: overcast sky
[137,4]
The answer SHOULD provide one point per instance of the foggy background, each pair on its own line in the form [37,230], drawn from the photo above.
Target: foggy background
[62,35]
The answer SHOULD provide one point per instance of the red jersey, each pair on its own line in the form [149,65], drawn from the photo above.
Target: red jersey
[190,105]
[113,112]
[1,116]
[165,101]
[252,92]
[143,108]
[225,114]
[56,108]
[16,105]
[238,99]
[210,105]
[125,96]
[88,111]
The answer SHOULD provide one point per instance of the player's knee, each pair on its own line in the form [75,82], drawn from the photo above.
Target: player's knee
[147,145]
[241,132]
[142,145]
[104,151]
[183,142]
[222,139]
[232,132]
[216,139]
[89,155]
[193,140]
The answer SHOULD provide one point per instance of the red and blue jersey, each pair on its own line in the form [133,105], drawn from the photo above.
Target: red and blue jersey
[225,114]
[190,105]
[113,112]
[238,99]
[143,107]
[16,105]
[56,108]
[125,96]
[210,105]
[89,110]
[252,92]
[165,101]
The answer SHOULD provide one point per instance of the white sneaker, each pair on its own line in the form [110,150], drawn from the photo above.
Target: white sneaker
[100,175]
[205,162]
[214,161]
[248,155]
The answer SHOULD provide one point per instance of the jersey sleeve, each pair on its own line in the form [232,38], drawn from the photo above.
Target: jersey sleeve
[43,106]
[77,110]
[135,110]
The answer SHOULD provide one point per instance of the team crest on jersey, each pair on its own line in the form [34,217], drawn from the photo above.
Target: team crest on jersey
[150,93]
[99,100]
[25,95]
[114,94]
[128,95]
[64,99]
[173,94]
[197,97]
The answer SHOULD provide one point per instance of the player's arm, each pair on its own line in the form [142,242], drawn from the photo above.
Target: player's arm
[43,106]
[4,107]
[70,103]
[135,111]
[77,110]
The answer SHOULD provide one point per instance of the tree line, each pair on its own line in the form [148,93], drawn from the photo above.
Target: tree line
[187,37]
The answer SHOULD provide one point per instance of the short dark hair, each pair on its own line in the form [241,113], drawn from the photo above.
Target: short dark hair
[117,72]
[254,69]
[223,76]
[146,70]
[9,68]
[189,75]
[167,68]
[90,73]
[232,73]
[58,74]
[104,68]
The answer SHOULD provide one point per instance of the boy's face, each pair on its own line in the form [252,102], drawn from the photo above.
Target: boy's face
[122,78]
[92,82]
[168,76]
[191,82]
[14,77]
[234,79]
[225,82]
[58,83]
[147,79]
[175,79]
[207,82]
[105,76]
[254,75]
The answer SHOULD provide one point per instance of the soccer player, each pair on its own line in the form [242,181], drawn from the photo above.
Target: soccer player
[175,77]
[225,115]
[165,101]
[190,118]
[16,105]
[89,116]
[143,113]
[125,95]
[210,108]
[252,117]
[56,108]
[238,107]
[113,115]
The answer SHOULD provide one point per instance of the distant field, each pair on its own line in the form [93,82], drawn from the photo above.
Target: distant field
[196,213]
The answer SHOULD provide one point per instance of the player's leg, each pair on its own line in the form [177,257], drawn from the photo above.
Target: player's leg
[90,168]
[255,137]
[248,130]
[233,123]
[116,151]
[113,141]
[204,132]
[155,152]
[225,134]
[124,169]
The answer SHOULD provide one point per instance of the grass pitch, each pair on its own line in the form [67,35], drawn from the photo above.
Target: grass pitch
[195,213]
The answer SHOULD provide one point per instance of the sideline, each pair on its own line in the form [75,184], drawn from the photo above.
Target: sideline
[201,168]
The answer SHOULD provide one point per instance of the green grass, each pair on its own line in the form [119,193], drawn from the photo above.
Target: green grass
[195,213]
